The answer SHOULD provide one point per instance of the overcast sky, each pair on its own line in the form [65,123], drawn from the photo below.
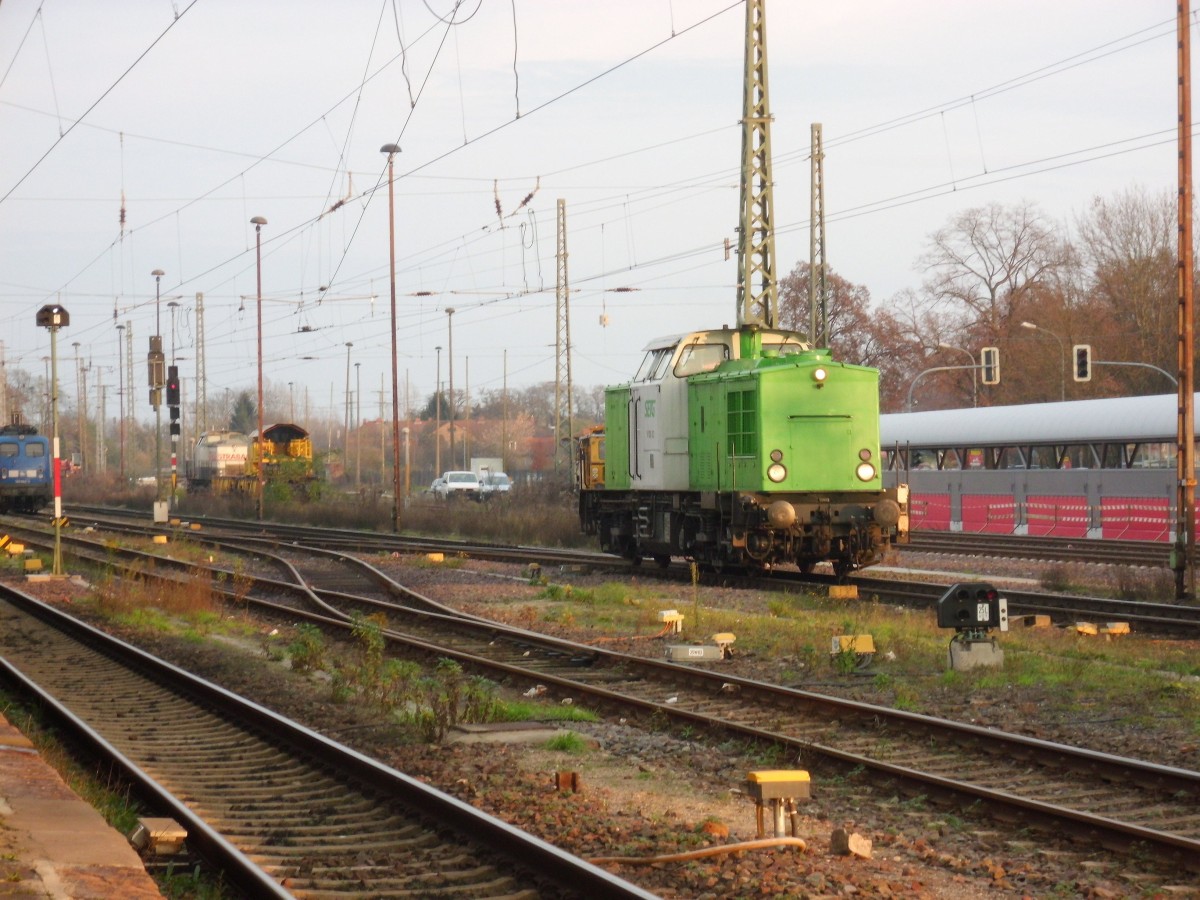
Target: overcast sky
[205,114]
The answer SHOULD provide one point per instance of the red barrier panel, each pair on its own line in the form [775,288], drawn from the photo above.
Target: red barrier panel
[1136,518]
[1058,516]
[929,512]
[988,513]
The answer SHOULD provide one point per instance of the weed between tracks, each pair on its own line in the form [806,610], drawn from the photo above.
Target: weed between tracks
[429,702]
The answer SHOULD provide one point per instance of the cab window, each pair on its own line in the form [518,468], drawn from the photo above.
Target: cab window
[34,450]
[697,357]
[654,364]
[8,448]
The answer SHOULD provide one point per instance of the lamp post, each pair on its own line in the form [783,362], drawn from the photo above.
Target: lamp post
[52,318]
[1062,357]
[358,425]
[156,388]
[346,417]
[407,464]
[291,403]
[391,150]
[173,405]
[974,371]
[922,374]
[258,222]
[450,365]
[437,412]
[121,395]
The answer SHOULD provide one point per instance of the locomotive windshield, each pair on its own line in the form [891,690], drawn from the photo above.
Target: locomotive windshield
[697,357]
[8,448]
[654,364]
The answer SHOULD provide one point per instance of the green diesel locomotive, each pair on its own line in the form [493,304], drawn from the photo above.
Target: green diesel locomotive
[742,448]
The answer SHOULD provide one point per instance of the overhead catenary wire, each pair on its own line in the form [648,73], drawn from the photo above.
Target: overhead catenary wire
[96,103]
[1014,172]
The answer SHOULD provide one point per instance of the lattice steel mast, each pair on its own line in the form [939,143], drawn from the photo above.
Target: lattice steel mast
[818,287]
[757,294]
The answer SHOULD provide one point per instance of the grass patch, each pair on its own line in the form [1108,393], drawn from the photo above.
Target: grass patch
[523,711]
[568,742]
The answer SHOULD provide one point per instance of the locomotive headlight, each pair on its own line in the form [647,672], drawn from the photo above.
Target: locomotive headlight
[776,472]
[864,454]
[776,456]
[819,374]
[865,471]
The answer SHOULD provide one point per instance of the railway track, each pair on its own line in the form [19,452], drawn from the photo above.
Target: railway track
[1066,789]
[281,810]
[1174,619]
[1108,552]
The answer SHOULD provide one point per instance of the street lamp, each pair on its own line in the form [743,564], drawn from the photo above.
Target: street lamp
[52,318]
[258,222]
[358,425]
[391,150]
[346,417]
[450,365]
[1062,357]
[121,394]
[974,371]
[437,412]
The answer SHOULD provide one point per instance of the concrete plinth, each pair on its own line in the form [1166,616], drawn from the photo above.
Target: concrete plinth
[974,654]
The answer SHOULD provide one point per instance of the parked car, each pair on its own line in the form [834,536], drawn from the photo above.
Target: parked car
[436,487]
[494,484]
[457,485]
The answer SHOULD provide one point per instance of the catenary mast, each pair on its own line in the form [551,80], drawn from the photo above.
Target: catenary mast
[757,295]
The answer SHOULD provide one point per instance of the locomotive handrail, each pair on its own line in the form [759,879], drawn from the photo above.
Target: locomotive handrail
[635,469]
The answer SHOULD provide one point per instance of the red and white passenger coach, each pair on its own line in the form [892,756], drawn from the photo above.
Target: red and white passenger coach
[1084,468]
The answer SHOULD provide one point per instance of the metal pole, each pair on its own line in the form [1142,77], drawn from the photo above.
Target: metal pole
[437,432]
[121,396]
[158,274]
[391,150]
[357,424]
[920,375]
[1184,555]
[346,426]
[974,371]
[258,222]
[450,364]
[56,565]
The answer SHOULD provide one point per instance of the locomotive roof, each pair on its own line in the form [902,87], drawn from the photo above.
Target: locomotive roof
[670,340]
[1117,419]
[282,431]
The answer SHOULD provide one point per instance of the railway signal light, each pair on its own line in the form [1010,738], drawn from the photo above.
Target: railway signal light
[1083,361]
[972,608]
[173,388]
[989,361]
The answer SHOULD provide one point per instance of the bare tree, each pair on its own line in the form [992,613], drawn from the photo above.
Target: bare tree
[1129,246]
[989,263]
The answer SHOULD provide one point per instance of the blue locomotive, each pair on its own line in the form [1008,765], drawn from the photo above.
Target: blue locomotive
[26,473]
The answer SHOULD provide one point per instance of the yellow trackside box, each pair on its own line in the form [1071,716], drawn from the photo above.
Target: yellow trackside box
[778,784]
[853,643]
